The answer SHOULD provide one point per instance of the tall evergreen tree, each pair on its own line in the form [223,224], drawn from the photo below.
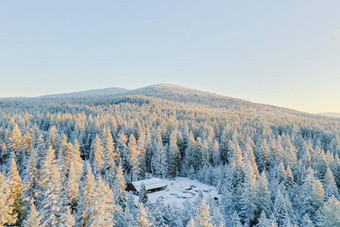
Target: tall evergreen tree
[143,194]
[16,190]
[102,207]
[133,157]
[330,213]
[86,193]
[33,219]
[6,214]
[203,218]
[142,220]
[118,189]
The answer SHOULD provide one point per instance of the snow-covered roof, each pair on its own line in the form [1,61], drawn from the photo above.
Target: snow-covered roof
[149,184]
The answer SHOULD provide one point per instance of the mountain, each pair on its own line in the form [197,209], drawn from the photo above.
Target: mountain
[89,93]
[330,114]
[170,93]
[164,93]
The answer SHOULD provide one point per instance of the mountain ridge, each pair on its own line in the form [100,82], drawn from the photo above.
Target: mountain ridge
[330,114]
[169,92]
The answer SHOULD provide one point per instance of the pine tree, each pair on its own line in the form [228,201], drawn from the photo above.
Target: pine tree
[216,153]
[280,209]
[108,149]
[54,207]
[263,198]
[311,196]
[28,142]
[330,185]
[77,160]
[86,192]
[6,216]
[235,220]
[191,223]
[263,220]
[30,181]
[16,190]
[33,219]
[248,201]
[143,194]
[45,174]
[133,157]
[97,156]
[53,138]
[225,156]
[158,161]
[306,222]
[142,220]
[119,188]
[16,139]
[330,213]
[173,156]
[73,187]
[141,156]
[203,218]
[102,207]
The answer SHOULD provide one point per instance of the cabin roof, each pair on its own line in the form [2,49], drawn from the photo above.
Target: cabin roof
[149,184]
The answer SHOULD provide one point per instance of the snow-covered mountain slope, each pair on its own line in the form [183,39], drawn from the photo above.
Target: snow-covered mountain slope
[164,92]
[172,93]
[336,115]
[89,93]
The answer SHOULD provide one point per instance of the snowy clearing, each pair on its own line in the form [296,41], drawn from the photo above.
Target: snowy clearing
[180,189]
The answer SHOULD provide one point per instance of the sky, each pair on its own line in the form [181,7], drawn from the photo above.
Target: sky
[284,53]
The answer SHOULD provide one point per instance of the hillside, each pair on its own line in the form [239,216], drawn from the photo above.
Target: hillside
[159,93]
[336,115]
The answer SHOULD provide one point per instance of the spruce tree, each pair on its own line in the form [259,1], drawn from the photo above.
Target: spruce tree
[33,219]
[6,200]
[133,157]
[16,190]
[119,188]
[330,213]
[203,218]
[143,194]
[330,185]
[142,220]
[103,207]
[86,193]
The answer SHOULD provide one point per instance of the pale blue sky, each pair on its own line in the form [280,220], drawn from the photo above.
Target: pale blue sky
[284,53]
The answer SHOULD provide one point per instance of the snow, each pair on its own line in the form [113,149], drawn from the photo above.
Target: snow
[180,189]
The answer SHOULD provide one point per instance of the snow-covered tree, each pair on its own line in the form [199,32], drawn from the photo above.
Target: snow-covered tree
[143,194]
[118,189]
[16,189]
[133,157]
[97,156]
[203,218]
[33,219]
[330,185]
[6,214]
[142,220]
[330,213]
[30,181]
[86,193]
[103,207]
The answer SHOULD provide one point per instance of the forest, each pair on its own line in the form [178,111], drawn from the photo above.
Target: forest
[65,160]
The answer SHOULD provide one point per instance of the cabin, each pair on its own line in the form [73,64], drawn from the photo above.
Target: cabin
[151,185]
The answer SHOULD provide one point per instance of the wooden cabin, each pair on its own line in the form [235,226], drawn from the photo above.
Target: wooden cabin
[151,185]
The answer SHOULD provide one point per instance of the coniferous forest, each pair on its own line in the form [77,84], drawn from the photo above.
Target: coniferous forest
[65,160]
